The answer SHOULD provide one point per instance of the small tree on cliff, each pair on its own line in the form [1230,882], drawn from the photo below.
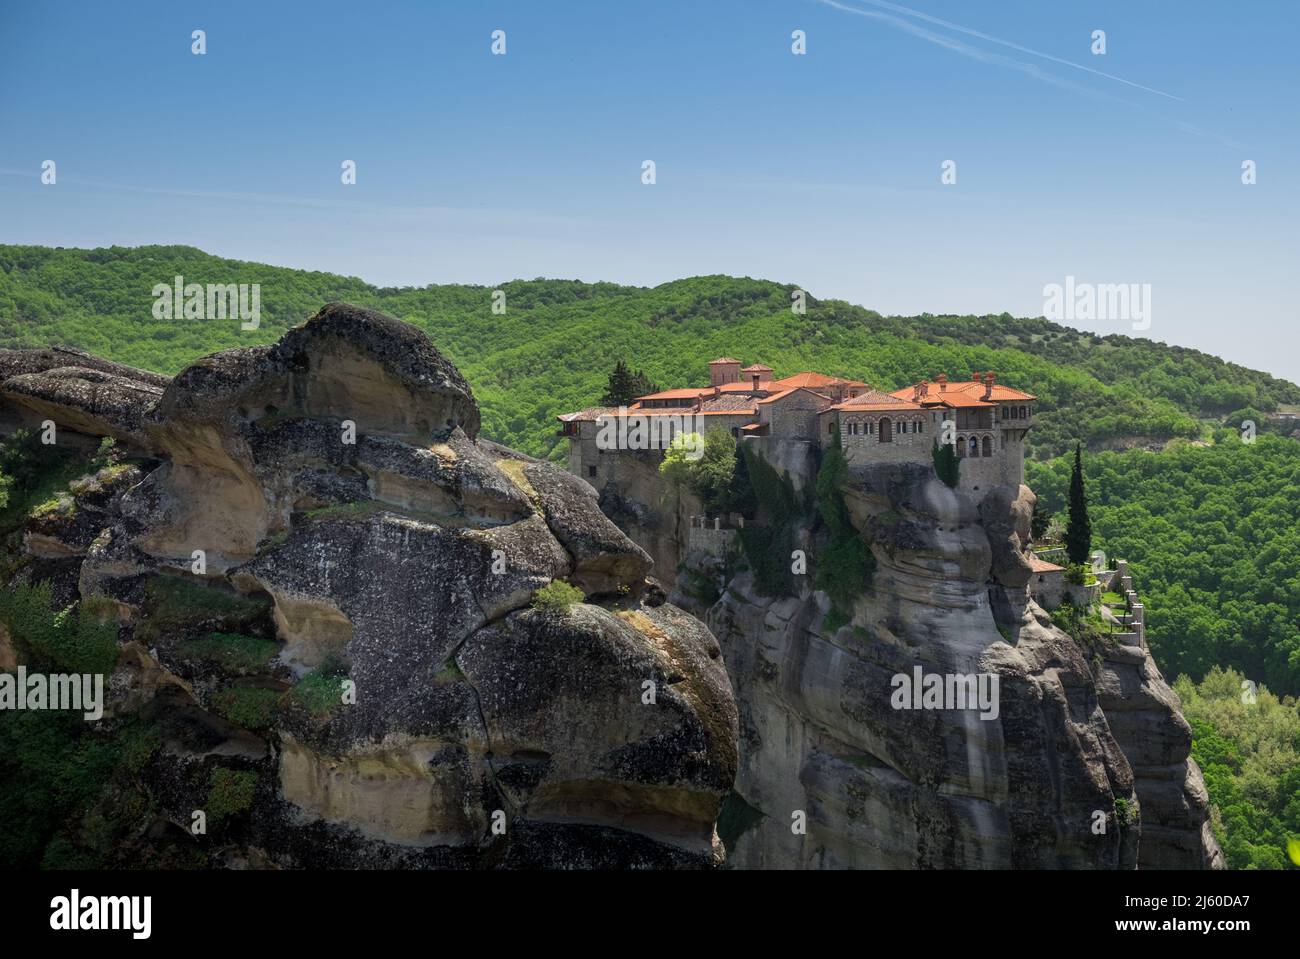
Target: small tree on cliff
[741,491]
[946,463]
[1078,530]
[624,386]
[1040,522]
[846,564]
[705,465]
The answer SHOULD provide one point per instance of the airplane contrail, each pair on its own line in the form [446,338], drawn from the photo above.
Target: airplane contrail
[961,48]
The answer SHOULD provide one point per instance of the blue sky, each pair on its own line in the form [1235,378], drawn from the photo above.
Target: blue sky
[821,170]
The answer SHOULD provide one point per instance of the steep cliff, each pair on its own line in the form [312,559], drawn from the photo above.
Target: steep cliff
[321,584]
[320,581]
[1077,758]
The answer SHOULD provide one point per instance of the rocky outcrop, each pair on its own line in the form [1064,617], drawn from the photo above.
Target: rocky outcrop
[1146,718]
[1069,761]
[77,391]
[326,586]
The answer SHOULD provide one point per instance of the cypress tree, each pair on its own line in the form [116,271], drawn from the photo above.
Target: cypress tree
[641,385]
[946,463]
[741,498]
[624,386]
[621,389]
[1078,530]
[1039,523]
[846,564]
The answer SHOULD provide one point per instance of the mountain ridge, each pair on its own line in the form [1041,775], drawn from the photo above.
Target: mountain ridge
[551,348]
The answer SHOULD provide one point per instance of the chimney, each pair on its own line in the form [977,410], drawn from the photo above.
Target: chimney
[976,377]
[988,384]
[943,382]
[916,392]
[755,381]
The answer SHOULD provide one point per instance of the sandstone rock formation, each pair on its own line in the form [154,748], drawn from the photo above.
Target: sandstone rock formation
[349,671]
[325,583]
[1084,765]
[79,392]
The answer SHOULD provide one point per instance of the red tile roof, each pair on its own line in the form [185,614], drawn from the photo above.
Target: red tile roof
[722,359]
[682,394]
[738,398]
[876,399]
[971,393]
[1000,392]
[894,406]
[811,379]
[784,393]
[590,414]
[1043,566]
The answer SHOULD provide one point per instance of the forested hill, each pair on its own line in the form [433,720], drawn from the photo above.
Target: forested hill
[551,350]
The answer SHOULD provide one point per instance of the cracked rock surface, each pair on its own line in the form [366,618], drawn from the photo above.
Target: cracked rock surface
[325,504]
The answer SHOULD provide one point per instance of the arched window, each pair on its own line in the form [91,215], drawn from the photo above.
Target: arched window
[974,446]
[886,430]
[961,446]
[920,426]
[988,446]
[830,429]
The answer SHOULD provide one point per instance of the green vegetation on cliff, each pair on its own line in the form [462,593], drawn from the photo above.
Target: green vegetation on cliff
[845,564]
[1212,534]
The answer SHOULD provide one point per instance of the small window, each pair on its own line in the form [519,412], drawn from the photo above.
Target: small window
[591,471]
[920,426]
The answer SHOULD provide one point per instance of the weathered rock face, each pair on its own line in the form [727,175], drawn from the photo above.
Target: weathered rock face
[1145,716]
[79,392]
[635,501]
[1075,762]
[327,582]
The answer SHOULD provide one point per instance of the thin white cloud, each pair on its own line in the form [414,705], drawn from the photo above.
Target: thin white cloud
[949,25]
[1029,69]
[269,199]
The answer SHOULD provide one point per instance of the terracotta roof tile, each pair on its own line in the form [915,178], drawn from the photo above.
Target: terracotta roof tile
[590,414]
